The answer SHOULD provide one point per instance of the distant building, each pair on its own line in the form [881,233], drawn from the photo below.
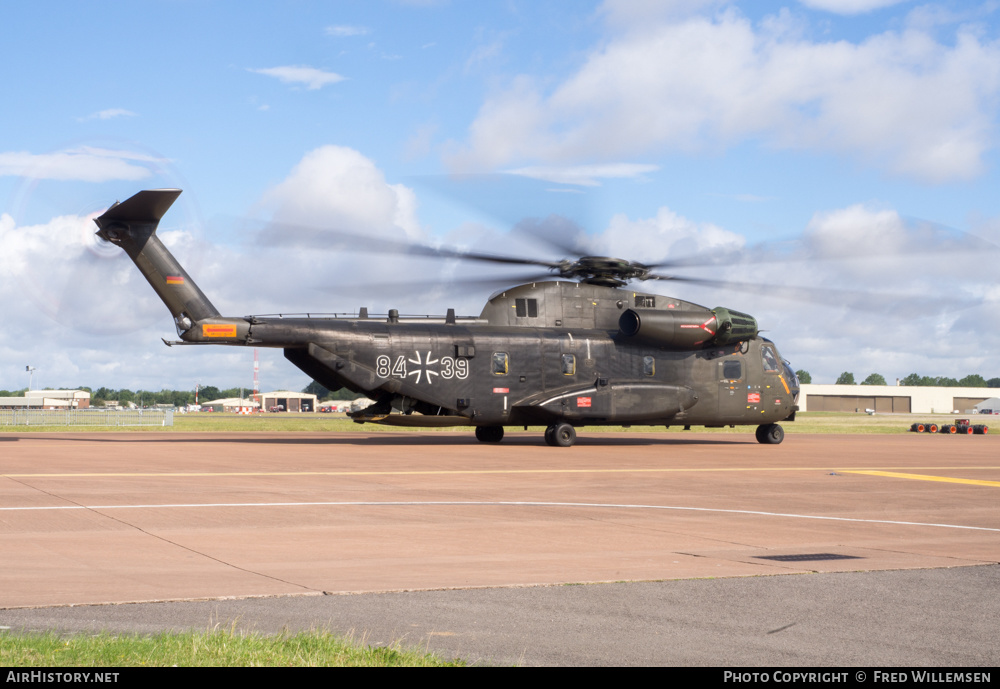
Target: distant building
[230,404]
[284,400]
[891,399]
[48,399]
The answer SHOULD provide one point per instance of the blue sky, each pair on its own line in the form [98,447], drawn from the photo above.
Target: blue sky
[759,130]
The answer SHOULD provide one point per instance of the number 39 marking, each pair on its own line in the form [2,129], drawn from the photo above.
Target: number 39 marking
[454,368]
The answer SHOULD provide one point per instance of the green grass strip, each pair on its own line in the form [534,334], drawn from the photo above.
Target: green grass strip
[217,648]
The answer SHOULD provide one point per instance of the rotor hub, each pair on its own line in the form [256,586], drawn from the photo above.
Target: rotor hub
[602,270]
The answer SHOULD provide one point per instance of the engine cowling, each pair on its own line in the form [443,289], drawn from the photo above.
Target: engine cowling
[688,329]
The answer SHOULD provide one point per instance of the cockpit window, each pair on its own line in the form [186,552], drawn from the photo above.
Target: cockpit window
[770,360]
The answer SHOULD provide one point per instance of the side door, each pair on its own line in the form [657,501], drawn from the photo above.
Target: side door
[733,388]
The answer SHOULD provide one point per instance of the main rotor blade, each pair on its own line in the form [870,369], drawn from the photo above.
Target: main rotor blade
[445,283]
[558,233]
[284,234]
[507,199]
[877,302]
[924,238]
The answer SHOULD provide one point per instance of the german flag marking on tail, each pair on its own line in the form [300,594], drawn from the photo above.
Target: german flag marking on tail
[175,280]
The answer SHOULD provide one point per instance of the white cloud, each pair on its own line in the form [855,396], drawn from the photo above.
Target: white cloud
[584,175]
[338,188]
[67,274]
[109,114]
[484,53]
[664,236]
[631,13]
[900,101]
[311,77]
[85,164]
[112,113]
[346,30]
[850,6]
[82,313]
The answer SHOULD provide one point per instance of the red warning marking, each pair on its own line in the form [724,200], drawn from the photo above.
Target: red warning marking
[582,401]
[213,330]
[501,391]
[753,397]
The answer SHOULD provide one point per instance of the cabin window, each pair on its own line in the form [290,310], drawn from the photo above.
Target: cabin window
[732,370]
[569,364]
[645,302]
[500,363]
[770,360]
[648,366]
[526,308]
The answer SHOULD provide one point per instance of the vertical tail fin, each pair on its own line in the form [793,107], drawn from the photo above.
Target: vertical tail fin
[132,226]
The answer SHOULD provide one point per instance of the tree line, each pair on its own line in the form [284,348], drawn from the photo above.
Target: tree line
[973,380]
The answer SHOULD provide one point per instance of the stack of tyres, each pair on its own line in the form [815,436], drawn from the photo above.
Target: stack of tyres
[950,429]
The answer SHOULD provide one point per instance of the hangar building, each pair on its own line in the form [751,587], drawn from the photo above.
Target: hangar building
[48,399]
[284,400]
[230,404]
[891,399]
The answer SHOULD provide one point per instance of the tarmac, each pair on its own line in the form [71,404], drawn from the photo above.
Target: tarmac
[469,549]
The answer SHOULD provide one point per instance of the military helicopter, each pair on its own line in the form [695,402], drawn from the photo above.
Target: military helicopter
[575,348]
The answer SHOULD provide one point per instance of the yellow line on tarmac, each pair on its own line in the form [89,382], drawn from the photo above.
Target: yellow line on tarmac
[924,477]
[455,472]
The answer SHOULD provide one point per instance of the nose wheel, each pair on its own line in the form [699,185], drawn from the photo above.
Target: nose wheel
[560,435]
[770,434]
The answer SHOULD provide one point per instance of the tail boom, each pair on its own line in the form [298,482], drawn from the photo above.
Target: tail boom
[132,226]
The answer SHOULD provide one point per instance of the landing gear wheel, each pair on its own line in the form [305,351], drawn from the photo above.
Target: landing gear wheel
[770,434]
[489,434]
[560,435]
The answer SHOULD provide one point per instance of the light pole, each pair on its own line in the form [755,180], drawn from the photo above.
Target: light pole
[31,372]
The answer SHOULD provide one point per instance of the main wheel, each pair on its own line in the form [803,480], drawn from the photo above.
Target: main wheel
[560,435]
[770,434]
[489,434]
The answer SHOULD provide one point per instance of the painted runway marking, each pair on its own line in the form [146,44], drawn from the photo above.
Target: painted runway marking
[503,503]
[458,472]
[924,477]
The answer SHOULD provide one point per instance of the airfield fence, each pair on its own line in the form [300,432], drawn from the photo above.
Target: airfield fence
[86,417]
